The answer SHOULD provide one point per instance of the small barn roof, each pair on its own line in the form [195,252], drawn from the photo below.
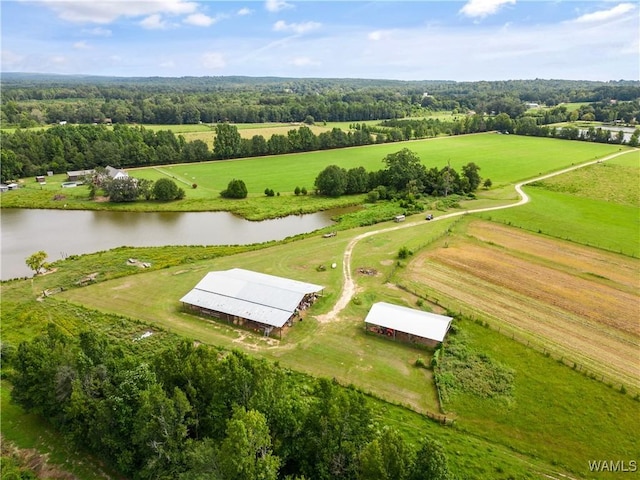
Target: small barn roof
[255,296]
[408,320]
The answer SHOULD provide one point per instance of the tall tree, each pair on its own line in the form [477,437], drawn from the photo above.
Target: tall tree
[227,141]
[402,167]
[245,453]
[332,181]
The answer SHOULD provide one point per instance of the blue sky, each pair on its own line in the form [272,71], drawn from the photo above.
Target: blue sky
[413,40]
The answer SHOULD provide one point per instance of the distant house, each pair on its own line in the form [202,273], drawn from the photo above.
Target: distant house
[12,186]
[116,173]
[75,175]
[40,179]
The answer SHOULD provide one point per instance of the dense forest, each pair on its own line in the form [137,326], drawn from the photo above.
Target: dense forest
[189,413]
[105,113]
[40,99]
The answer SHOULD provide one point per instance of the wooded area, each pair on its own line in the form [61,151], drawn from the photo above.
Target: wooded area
[194,412]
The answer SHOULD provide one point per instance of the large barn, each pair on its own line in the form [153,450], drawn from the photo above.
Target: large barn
[254,300]
[407,324]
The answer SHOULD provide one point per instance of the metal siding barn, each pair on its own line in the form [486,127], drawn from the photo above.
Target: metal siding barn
[254,296]
[426,325]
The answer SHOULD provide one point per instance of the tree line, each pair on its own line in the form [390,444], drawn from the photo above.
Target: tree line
[37,100]
[193,412]
[404,175]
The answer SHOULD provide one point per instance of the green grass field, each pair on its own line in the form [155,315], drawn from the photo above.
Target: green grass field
[505,159]
[502,158]
[583,205]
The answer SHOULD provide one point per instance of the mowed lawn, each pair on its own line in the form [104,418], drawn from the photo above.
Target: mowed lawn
[504,159]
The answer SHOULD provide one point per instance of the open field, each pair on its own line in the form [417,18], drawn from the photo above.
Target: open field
[575,301]
[502,158]
[589,201]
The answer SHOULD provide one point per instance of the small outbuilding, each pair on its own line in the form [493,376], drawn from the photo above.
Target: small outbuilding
[407,324]
[250,299]
[77,175]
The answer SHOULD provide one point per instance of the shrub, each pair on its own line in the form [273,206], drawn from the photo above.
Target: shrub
[303,190]
[235,189]
[166,189]
[297,191]
[404,252]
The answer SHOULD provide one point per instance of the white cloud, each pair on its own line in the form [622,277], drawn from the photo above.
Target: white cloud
[483,8]
[200,20]
[213,61]
[276,5]
[303,62]
[604,15]
[58,60]
[106,11]
[168,64]
[97,32]
[154,22]
[11,60]
[379,35]
[244,11]
[299,28]
[81,45]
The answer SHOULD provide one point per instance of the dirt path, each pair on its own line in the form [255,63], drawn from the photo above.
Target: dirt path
[349,288]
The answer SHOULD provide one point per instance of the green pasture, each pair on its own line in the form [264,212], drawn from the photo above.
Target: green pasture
[596,206]
[556,413]
[504,159]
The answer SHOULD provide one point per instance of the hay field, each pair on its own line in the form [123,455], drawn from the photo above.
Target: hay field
[574,301]
[267,130]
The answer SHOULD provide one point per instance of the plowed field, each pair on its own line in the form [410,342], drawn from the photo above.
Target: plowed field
[579,302]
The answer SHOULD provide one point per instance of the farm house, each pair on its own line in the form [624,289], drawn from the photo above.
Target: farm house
[252,300]
[407,324]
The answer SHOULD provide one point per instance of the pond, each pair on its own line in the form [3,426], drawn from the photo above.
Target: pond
[61,233]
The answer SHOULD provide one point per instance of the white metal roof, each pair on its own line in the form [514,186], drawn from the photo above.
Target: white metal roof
[256,296]
[408,320]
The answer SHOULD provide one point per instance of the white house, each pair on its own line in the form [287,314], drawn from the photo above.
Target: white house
[116,173]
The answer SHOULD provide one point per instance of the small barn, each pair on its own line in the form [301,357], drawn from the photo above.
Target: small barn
[407,324]
[253,300]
